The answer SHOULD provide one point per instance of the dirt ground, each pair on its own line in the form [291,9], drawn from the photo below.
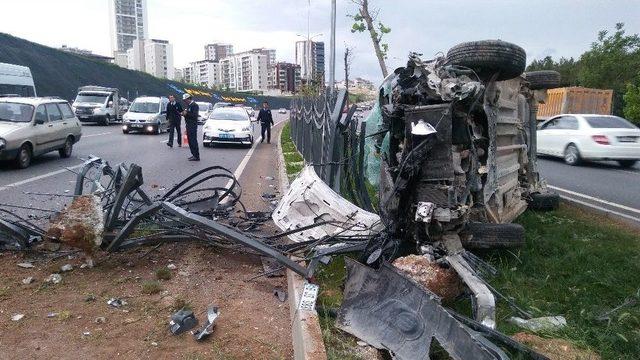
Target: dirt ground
[65,320]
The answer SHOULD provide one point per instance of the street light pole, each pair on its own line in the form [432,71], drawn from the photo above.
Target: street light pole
[332,59]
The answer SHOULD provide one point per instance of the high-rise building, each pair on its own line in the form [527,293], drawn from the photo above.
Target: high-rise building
[288,77]
[205,73]
[310,57]
[127,22]
[217,51]
[246,71]
[152,56]
[158,56]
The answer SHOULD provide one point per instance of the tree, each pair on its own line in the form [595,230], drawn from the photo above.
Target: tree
[632,103]
[612,63]
[364,20]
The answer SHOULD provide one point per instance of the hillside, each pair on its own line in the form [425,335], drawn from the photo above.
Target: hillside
[58,73]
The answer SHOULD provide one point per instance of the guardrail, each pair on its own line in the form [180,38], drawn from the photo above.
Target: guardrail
[333,141]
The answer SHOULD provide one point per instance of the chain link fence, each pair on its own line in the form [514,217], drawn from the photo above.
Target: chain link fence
[332,140]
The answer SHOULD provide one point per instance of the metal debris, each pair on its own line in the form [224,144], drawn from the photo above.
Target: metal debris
[207,329]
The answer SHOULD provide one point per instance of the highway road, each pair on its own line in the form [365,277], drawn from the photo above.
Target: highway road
[603,185]
[162,166]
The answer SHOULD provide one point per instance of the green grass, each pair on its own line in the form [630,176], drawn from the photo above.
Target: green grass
[151,287]
[163,274]
[294,162]
[574,264]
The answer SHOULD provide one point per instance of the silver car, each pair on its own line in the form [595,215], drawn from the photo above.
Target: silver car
[34,126]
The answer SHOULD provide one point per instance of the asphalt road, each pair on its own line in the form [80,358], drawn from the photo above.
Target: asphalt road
[597,184]
[162,166]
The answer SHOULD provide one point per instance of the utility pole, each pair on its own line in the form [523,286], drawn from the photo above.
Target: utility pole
[347,52]
[332,59]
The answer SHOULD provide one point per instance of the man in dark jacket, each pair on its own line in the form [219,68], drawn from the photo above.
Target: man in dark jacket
[266,120]
[174,117]
[190,114]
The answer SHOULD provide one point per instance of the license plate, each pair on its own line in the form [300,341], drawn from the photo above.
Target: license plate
[84,117]
[627,139]
[227,136]
[136,125]
[308,298]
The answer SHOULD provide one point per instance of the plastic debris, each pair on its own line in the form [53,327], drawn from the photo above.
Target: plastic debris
[28,280]
[17,317]
[182,321]
[53,279]
[66,268]
[541,323]
[116,303]
[26,265]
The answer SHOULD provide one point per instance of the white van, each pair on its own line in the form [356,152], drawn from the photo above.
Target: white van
[16,80]
[147,114]
[98,104]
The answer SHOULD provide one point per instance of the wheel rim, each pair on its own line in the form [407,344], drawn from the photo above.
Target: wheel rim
[571,155]
[68,147]
[24,157]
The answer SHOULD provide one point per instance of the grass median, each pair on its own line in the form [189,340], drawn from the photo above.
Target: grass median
[574,264]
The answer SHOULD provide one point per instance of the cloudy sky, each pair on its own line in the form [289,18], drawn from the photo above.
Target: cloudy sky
[542,27]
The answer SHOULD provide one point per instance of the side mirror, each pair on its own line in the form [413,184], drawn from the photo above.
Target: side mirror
[39,121]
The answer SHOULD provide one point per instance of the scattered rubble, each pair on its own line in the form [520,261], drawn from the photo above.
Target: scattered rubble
[116,303]
[100,320]
[53,279]
[546,323]
[17,317]
[28,280]
[172,267]
[26,265]
[66,268]
[441,280]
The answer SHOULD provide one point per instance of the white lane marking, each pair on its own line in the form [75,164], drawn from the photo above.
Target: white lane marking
[39,177]
[599,208]
[246,158]
[92,135]
[595,199]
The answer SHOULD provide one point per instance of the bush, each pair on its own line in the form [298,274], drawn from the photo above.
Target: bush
[632,103]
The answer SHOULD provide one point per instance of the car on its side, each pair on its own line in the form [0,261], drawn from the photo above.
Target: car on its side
[228,125]
[204,109]
[282,111]
[31,127]
[578,137]
[147,114]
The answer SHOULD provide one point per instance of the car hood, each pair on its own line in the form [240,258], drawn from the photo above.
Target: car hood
[139,116]
[90,104]
[227,125]
[7,128]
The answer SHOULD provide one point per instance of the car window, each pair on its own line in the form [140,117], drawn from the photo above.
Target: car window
[608,122]
[567,123]
[15,112]
[54,112]
[66,111]
[550,125]
[41,114]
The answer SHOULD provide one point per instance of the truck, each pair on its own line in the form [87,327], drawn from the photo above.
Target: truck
[98,104]
[575,100]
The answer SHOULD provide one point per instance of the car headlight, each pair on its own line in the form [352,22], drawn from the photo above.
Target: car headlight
[3,143]
[151,118]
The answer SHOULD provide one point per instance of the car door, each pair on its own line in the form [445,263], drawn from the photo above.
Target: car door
[42,134]
[545,136]
[69,125]
[56,126]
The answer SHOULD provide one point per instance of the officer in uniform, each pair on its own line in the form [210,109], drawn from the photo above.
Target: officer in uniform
[174,117]
[190,114]
[266,120]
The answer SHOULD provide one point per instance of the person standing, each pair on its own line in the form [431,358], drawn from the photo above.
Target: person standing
[190,114]
[266,120]
[174,117]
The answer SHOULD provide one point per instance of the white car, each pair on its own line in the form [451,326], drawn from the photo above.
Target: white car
[228,125]
[204,109]
[576,137]
[147,114]
[282,111]
[250,111]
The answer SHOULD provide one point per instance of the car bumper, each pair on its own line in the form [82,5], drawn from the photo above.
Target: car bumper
[233,138]
[140,127]
[611,152]
[91,118]
[8,154]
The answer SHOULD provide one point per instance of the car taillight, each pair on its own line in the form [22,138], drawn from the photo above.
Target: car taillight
[601,139]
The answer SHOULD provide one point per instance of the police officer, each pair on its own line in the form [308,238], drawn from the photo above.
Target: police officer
[190,114]
[266,120]
[174,117]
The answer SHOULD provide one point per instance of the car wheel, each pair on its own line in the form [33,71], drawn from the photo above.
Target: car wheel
[627,163]
[489,57]
[125,131]
[572,155]
[24,157]
[543,79]
[107,120]
[493,236]
[65,152]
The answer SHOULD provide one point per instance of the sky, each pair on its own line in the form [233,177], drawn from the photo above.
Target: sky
[542,27]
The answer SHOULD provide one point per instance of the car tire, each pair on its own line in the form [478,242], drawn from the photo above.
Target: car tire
[106,121]
[544,201]
[493,236]
[627,163]
[572,155]
[67,149]
[543,79]
[125,131]
[489,57]
[25,154]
